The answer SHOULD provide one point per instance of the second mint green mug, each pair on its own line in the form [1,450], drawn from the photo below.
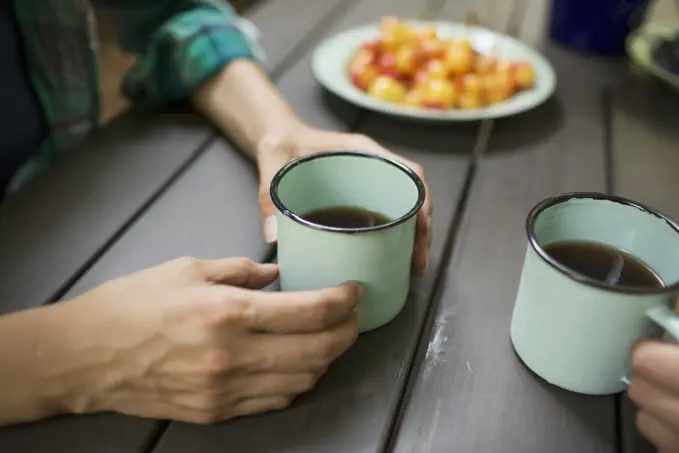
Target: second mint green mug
[574,331]
[314,256]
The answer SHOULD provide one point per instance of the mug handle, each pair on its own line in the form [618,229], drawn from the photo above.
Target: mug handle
[666,318]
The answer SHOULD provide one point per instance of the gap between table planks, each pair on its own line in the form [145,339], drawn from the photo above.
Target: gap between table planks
[645,157]
[124,168]
[354,406]
[471,392]
[81,212]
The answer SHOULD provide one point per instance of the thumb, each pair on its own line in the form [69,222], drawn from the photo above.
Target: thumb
[241,272]
[269,163]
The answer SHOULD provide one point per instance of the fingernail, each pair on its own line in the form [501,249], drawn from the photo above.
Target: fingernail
[361,289]
[270,267]
[636,344]
[271,229]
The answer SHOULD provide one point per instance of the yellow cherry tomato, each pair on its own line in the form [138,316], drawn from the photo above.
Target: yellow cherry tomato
[438,94]
[436,69]
[387,89]
[459,58]
[524,75]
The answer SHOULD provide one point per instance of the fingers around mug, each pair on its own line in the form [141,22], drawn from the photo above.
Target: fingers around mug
[269,161]
[259,405]
[430,231]
[657,362]
[364,143]
[229,411]
[298,353]
[158,408]
[272,384]
[657,432]
[241,272]
[421,250]
[657,401]
[302,311]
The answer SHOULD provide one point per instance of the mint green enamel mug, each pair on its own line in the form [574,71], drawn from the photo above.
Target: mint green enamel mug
[574,331]
[314,256]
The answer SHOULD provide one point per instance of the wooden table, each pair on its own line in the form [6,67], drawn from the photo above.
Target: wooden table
[443,376]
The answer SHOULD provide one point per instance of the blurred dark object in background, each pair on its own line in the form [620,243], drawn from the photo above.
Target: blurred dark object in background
[595,26]
[242,5]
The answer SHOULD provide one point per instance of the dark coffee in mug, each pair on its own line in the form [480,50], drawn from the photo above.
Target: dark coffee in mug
[345,217]
[604,263]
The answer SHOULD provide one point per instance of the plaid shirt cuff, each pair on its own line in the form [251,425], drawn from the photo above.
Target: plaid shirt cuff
[189,51]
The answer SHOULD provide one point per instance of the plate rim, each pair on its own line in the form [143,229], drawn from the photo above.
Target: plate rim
[451,115]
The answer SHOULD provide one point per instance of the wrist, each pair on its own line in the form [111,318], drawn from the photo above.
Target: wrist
[79,354]
[73,355]
[31,383]
[244,103]
[280,137]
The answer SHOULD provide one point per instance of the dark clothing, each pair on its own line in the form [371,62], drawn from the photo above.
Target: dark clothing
[22,125]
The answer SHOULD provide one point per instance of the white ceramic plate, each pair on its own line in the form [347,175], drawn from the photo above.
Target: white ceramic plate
[640,46]
[330,60]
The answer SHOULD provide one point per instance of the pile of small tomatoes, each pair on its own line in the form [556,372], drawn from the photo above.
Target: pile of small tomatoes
[415,67]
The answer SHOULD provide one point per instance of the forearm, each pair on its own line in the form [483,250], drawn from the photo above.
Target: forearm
[26,391]
[245,105]
[43,371]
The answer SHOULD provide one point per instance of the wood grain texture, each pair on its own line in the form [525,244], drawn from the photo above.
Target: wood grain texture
[217,217]
[282,28]
[472,394]
[53,229]
[353,408]
[44,223]
[210,212]
[645,141]
[646,144]
[101,433]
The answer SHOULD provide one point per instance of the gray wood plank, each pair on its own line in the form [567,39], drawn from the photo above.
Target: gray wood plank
[52,228]
[646,144]
[281,31]
[137,153]
[312,102]
[214,201]
[210,212]
[645,159]
[472,394]
[100,433]
[355,404]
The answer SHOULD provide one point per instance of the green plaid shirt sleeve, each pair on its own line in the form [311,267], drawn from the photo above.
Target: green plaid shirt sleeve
[181,44]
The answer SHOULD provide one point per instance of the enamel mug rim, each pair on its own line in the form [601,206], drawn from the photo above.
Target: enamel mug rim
[576,276]
[280,174]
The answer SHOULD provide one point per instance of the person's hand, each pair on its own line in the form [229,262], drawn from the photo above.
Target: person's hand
[304,140]
[654,388]
[196,341]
